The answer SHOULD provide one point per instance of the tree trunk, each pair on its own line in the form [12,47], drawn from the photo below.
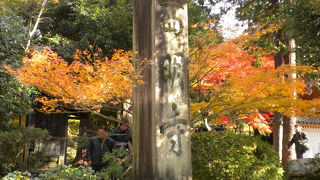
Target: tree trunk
[36,24]
[277,133]
[289,122]
[277,121]
[288,131]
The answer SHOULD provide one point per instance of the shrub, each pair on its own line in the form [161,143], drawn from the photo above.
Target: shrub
[116,169]
[18,175]
[69,173]
[14,144]
[226,155]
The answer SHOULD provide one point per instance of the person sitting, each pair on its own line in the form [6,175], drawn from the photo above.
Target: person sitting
[98,146]
[121,136]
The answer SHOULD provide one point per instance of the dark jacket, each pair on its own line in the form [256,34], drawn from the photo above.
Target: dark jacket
[97,148]
[299,139]
[121,136]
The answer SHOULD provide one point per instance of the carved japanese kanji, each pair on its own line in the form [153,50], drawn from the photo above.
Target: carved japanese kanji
[171,23]
[162,103]
[175,139]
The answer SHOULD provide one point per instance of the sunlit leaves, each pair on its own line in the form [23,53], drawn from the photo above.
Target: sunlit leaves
[86,83]
[213,65]
[237,79]
[265,90]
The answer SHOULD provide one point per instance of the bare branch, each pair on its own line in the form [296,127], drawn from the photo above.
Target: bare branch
[35,27]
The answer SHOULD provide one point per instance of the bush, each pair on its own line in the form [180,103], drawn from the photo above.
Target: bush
[116,169]
[14,144]
[226,155]
[69,173]
[18,175]
[61,172]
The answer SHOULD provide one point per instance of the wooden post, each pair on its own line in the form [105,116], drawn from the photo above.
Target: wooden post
[161,104]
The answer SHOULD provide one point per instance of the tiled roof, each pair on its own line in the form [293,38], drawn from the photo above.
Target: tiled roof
[312,120]
[315,93]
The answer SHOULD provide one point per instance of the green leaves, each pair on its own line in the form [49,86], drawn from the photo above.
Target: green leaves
[16,141]
[119,164]
[15,98]
[305,25]
[104,24]
[69,173]
[13,37]
[225,155]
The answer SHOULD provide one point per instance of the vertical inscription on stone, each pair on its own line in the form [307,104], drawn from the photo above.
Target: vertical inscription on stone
[174,121]
[161,103]
[171,89]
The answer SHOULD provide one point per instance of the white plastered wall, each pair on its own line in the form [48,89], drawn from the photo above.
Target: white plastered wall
[313,134]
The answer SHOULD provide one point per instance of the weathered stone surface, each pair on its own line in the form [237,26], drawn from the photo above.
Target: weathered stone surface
[307,167]
[161,103]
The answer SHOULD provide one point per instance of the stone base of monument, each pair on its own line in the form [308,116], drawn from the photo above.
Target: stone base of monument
[304,168]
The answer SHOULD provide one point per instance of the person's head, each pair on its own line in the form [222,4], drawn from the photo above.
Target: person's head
[298,128]
[123,127]
[102,132]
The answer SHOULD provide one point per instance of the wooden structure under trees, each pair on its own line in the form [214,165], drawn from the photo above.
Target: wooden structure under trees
[57,126]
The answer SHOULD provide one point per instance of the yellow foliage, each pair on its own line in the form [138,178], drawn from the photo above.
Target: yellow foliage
[266,90]
[86,83]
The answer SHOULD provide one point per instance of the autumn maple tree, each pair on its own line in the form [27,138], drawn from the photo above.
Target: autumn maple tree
[239,84]
[85,84]
[212,63]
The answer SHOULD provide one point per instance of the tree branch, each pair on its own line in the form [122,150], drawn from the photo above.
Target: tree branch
[111,118]
[35,27]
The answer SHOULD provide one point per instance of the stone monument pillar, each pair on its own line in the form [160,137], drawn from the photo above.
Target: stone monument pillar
[161,103]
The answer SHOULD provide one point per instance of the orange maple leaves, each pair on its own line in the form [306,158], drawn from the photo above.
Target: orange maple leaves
[211,66]
[256,120]
[238,78]
[86,83]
